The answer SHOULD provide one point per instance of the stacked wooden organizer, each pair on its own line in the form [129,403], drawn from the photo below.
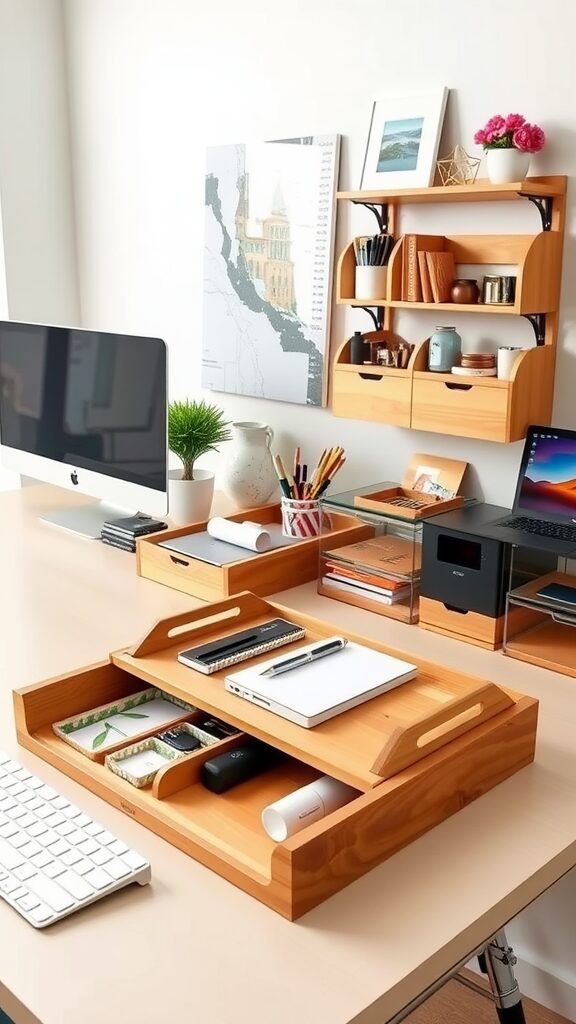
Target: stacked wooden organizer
[489,408]
[415,755]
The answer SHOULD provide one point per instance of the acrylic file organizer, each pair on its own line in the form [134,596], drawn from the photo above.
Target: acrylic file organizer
[415,755]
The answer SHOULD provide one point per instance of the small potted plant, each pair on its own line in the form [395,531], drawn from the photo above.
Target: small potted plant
[194,428]
[508,142]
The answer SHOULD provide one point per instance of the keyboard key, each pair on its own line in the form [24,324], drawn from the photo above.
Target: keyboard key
[54,868]
[30,849]
[9,885]
[60,803]
[83,866]
[22,774]
[15,787]
[48,838]
[78,887]
[70,858]
[65,829]
[98,878]
[75,838]
[134,860]
[83,820]
[118,848]
[88,847]
[93,829]
[44,811]
[37,830]
[100,856]
[27,820]
[55,819]
[6,803]
[47,793]
[28,902]
[20,839]
[72,811]
[59,848]
[24,871]
[106,838]
[117,868]
[42,859]
[27,797]
[50,893]
[34,782]
[8,830]
[41,913]
[11,766]
[16,812]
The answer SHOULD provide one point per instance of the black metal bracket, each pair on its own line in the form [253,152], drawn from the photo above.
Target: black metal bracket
[380,211]
[544,206]
[538,321]
[377,314]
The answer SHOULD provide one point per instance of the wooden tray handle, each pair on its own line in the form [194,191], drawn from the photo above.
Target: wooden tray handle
[191,624]
[408,744]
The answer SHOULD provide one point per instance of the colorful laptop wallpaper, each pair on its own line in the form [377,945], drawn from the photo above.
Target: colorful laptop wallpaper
[549,484]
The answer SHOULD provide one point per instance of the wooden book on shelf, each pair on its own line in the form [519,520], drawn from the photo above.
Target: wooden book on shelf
[441,270]
[427,295]
[412,245]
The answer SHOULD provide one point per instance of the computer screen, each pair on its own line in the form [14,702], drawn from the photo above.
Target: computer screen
[547,483]
[86,410]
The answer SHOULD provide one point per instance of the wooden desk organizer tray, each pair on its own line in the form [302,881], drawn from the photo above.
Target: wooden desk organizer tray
[409,499]
[267,573]
[415,755]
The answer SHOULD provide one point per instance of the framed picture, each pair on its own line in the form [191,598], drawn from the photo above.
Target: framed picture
[403,140]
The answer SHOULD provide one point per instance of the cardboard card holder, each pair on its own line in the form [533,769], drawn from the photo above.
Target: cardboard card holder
[430,485]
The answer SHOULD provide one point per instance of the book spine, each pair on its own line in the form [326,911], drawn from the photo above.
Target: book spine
[427,295]
[441,270]
[413,289]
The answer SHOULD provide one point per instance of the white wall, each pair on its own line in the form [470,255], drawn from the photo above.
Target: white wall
[152,82]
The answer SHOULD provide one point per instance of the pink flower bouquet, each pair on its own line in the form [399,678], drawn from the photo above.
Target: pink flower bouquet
[511,132]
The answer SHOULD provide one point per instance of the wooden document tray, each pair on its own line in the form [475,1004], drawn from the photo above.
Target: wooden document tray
[416,755]
[266,573]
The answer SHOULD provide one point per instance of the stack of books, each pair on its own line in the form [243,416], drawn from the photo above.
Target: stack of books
[427,270]
[383,569]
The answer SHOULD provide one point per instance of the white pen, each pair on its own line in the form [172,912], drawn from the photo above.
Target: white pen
[332,646]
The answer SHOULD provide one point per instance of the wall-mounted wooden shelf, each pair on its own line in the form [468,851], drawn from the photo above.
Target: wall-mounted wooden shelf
[494,410]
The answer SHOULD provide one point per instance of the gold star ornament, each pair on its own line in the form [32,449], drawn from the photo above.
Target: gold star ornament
[458,168]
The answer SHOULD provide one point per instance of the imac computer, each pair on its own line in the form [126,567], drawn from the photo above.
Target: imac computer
[86,410]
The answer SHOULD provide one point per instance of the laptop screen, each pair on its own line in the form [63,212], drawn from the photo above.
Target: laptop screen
[547,480]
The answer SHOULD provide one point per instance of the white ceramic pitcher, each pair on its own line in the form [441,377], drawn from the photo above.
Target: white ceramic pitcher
[249,475]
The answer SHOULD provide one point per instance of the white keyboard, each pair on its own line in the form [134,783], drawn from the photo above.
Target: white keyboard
[54,859]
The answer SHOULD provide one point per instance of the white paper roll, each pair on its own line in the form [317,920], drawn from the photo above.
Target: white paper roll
[248,535]
[294,812]
[506,359]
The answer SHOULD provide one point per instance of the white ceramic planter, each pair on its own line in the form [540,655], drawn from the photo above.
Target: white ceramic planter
[506,165]
[190,501]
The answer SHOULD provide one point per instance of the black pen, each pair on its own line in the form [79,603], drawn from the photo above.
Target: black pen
[337,643]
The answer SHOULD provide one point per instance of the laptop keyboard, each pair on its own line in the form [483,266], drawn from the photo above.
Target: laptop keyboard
[54,859]
[542,528]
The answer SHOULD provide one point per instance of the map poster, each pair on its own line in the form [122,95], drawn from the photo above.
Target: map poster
[270,217]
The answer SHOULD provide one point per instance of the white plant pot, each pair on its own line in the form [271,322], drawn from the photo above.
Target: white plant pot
[190,501]
[506,165]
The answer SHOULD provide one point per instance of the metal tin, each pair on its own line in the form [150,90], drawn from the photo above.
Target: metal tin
[507,288]
[491,289]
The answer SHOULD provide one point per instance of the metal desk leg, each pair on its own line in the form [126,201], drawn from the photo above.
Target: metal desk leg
[497,961]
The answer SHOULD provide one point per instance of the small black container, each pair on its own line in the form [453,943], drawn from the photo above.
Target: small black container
[357,348]
[224,771]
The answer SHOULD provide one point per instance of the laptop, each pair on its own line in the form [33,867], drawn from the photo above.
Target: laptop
[323,688]
[543,515]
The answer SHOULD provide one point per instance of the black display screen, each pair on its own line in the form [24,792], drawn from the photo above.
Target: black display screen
[93,400]
[459,551]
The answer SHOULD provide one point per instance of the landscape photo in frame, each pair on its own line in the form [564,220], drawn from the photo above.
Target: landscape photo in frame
[403,141]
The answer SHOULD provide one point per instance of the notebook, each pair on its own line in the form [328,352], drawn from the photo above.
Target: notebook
[324,688]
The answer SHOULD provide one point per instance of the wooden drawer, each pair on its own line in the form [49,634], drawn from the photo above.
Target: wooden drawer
[370,393]
[469,410]
[472,627]
[266,573]
[415,755]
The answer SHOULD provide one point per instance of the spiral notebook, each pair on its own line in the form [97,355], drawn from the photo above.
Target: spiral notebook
[324,688]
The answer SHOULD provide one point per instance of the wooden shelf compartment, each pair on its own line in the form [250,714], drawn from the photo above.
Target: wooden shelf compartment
[416,755]
[472,627]
[266,573]
[484,407]
[550,642]
[482,190]
[379,393]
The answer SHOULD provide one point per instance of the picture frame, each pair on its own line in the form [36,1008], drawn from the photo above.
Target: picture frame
[403,140]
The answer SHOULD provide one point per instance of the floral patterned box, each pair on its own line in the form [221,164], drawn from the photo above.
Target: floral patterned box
[140,762]
[112,726]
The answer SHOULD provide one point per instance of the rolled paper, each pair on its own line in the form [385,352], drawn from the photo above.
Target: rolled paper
[251,536]
[294,812]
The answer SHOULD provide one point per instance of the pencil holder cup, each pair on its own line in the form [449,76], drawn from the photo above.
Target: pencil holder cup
[370,282]
[301,517]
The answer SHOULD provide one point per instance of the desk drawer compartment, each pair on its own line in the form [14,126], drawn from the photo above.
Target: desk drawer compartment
[414,756]
[448,406]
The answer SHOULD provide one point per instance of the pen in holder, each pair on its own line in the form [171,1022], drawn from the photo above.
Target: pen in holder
[301,517]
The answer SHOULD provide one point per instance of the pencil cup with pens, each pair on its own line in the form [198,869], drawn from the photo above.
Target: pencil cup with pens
[300,500]
[372,253]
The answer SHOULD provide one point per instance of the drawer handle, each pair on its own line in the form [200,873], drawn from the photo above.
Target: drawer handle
[453,608]
[179,561]
[370,376]
[458,387]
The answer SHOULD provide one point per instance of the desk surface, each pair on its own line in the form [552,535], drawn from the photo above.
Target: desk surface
[192,943]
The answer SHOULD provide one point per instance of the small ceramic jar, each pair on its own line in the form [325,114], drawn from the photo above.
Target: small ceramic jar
[444,349]
[465,291]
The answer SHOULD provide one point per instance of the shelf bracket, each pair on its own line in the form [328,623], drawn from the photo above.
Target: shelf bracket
[544,206]
[377,314]
[538,321]
[380,211]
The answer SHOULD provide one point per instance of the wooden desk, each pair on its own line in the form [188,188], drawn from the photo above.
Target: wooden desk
[193,946]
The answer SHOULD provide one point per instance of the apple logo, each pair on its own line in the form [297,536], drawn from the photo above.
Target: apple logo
[74,477]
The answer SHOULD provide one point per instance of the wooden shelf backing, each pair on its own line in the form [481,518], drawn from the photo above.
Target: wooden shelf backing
[482,190]
[416,755]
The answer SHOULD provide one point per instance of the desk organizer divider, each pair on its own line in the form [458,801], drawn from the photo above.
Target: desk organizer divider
[266,573]
[416,755]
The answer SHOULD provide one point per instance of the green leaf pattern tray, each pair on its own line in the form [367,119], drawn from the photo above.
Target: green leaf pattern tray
[128,766]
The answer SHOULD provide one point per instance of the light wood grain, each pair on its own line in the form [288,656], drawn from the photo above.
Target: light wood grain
[480,191]
[471,626]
